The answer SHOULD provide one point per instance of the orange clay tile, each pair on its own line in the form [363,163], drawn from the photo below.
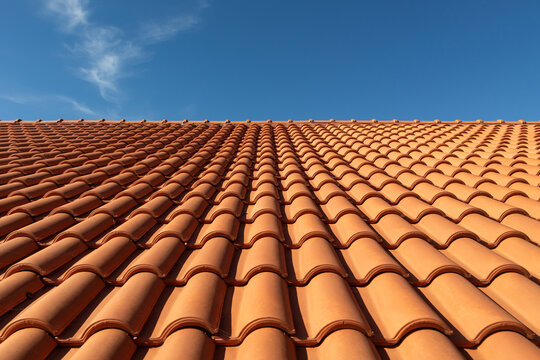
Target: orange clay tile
[315,256]
[394,316]
[101,261]
[191,343]
[28,343]
[504,345]
[344,344]
[331,292]
[214,256]
[424,344]
[271,240]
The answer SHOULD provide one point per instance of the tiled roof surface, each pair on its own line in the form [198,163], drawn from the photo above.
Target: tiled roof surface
[319,240]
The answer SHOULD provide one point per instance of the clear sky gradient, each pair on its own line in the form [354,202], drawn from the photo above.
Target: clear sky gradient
[239,59]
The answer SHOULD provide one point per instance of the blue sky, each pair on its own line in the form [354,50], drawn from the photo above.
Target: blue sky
[236,59]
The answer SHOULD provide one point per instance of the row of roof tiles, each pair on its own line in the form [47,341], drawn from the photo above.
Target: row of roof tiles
[260,222]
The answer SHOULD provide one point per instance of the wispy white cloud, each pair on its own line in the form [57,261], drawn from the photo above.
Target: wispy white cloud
[14,99]
[76,105]
[107,54]
[72,12]
[31,98]
[155,32]
[105,51]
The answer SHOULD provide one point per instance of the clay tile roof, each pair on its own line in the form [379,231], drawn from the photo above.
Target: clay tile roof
[269,239]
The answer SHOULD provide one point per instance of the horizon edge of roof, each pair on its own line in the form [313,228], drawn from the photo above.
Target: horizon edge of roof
[362,121]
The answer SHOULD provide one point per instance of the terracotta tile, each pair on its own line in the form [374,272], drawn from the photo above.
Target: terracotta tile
[394,193]
[181,178]
[393,317]
[11,202]
[327,291]
[264,204]
[133,229]
[104,191]
[338,206]
[322,178]
[13,222]
[265,343]
[236,189]
[521,252]
[101,261]
[79,206]
[415,209]
[117,207]
[16,288]
[262,302]
[294,191]
[299,206]
[109,343]
[191,343]
[39,207]
[181,226]
[531,191]
[28,343]
[155,207]
[504,345]
[159,260]
[350,227]
[315,256]
[214,256]
[194,206]
[360,192]
[430,193]
[224,225]
[495,209]
[305,227]
[266,254]
[206,190]
[231,205]
[126,307]
[393,229]
[89,228]
[456,210]
[374,208]
[365,258]
[424,344]
[423,261]
[55,310]
[442,231]
[472,314]
[242,178]
[50,258]
[266,189]
[344,344]
[523,225]
[517,295]
[482,263]
[172,191]
[41,229]
[529,206]
[488,230]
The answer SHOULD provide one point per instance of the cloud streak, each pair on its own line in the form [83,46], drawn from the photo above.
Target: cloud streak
[34,99]
[105,52]
[76,105]
[162,31]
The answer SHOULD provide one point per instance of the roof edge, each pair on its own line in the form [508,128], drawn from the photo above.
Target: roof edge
[414,121]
